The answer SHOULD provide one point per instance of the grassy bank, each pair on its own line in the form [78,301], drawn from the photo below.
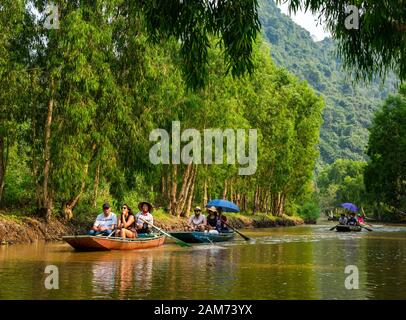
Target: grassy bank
[19,228]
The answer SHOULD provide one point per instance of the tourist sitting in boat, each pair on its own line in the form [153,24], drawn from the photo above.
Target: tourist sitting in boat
[197,222]
[212,219]
[352,221]
[343,220]
[105,222]
[360,218]
[221,222]
[143,217]
[126,223]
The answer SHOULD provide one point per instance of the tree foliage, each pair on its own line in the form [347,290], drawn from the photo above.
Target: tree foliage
[342,181]
[378,44]
[385,175]
[349,105]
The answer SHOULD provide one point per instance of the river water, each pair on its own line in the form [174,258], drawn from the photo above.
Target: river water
[304,262]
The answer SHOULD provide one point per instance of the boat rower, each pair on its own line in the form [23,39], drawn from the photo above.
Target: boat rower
[143,217]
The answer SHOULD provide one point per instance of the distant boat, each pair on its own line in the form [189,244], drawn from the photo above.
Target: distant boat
[347,228]
[203,237]
[101,243]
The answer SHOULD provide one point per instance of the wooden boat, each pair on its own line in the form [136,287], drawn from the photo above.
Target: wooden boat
[203,237]
[101,243]
[347,228]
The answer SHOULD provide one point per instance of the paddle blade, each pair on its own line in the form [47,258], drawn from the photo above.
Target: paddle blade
[183,244]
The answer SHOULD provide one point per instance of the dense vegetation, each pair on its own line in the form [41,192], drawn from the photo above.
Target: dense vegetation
[92,91]
[349,106]
[378,185]
[385,175]
[342,181]
[370,33]
[78,104]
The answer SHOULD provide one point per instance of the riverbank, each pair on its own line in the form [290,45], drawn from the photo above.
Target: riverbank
[26,229]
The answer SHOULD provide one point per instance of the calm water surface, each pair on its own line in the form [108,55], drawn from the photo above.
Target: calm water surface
[305,262]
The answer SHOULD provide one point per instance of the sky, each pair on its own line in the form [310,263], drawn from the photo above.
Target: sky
[307,21]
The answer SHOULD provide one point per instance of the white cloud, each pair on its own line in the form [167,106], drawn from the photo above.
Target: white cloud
[308,21]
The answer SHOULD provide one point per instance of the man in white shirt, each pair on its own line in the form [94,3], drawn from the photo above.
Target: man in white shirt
[197,222]
[105,222]
[144,216]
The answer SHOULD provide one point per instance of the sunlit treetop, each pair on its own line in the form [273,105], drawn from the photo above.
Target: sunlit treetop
[192,22]
[377,46]
[234,22]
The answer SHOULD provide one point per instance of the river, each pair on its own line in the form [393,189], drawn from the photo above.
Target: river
[304,262]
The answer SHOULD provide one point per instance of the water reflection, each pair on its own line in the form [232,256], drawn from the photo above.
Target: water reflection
[286,263]
[123,277]
[104,277]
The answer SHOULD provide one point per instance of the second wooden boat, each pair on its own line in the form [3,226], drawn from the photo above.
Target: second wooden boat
[203,237]
[101,243]
[347,228]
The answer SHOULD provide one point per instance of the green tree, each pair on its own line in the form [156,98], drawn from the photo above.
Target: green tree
[341,182]
[376,45]
[385,175]
[13,79]
[85,66]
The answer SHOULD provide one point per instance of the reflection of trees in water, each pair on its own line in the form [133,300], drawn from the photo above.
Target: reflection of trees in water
[332,257]
[104,277]
[125,278]
[386,276]
[143,272]
[201,272]
[276,271]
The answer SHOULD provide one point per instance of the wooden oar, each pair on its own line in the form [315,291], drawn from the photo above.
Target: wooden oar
[365,227]
[331,229]
[112,232]
[178,241]
[245,237]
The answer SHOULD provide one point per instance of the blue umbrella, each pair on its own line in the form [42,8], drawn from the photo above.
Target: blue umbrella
[350,206]
[226,206]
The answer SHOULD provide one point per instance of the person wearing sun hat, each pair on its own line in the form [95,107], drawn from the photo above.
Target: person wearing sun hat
[144,214]
[212,218]
[197,222]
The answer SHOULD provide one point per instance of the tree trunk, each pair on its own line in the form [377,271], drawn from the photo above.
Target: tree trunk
[185,189]
[256,200]
[230,187]
[191,193]
[163,186]
[174,189]
[225,190]
[69,205]
[47,202]
[2,166]
[96,185]
[35,169]
[168,188]
[205,197]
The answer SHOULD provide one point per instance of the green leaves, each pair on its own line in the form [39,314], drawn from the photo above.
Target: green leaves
[377,46]
[192,22]
[342,181]
[385,175]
